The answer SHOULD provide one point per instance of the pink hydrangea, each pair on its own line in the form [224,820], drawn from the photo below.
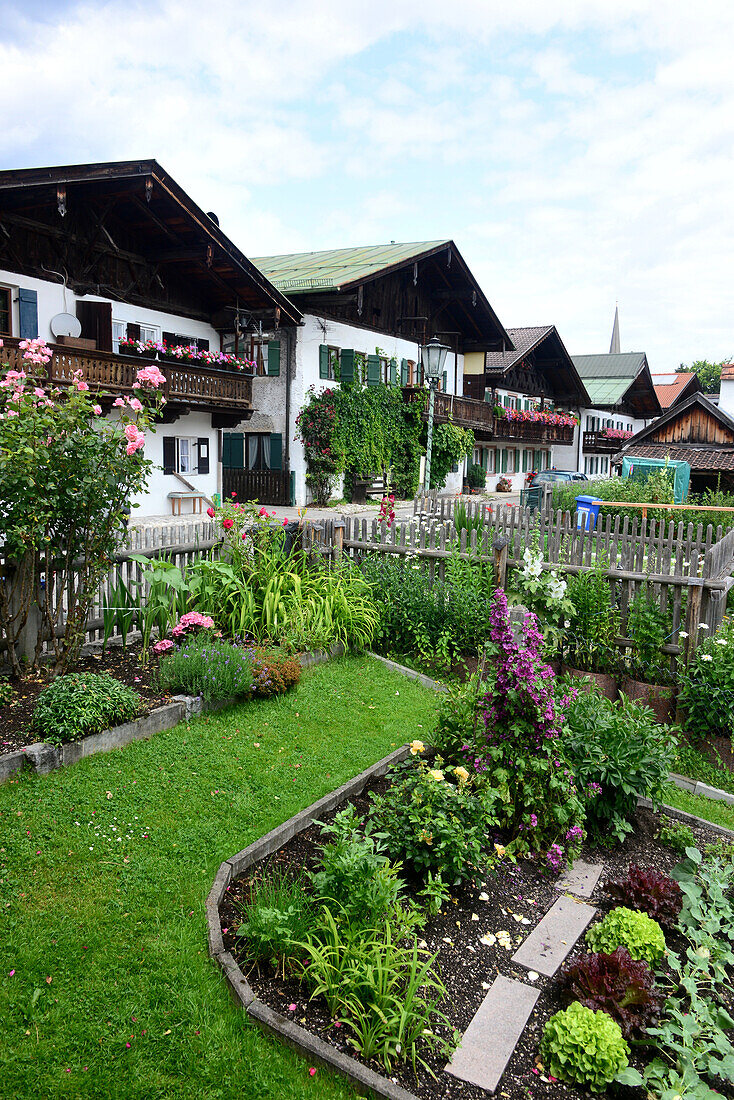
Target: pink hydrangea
[191,623]
[162,646]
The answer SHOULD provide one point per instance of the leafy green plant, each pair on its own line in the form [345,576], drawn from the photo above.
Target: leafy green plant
[707,916]
[707,686]
[277,919]
[274,672]
[209,667]
[677,836]
[430,823]
[162,597]
[355,873]
[82,703]
[7,693]
[476,475]
[118,612]
[584,1047]
[622,927]
[650,890]
[543,592]
[594,622]
[386,993]
[458,715]
[618,753]
[433,893]
[463,521]
[649,627]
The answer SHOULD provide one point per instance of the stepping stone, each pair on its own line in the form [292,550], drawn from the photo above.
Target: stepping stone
[548,944]
[581,879]
[491,1037]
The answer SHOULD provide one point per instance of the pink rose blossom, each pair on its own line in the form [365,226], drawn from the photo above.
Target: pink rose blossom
[118,403]
[81,386]
[135,404]
[97,410]
[210,512]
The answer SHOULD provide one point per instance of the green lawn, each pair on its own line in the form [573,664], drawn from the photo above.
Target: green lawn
[720,813]
[106,988]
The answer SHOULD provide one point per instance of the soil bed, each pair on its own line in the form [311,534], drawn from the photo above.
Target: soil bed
[516,893]
[16,730]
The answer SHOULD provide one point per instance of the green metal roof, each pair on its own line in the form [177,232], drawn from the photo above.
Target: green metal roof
[616,365]
[337,267]
[605,391]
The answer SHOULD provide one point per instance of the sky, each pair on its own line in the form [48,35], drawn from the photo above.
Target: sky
[579,153]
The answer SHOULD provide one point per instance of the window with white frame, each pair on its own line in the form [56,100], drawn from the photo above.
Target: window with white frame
[121,330]
[6,311]
[186,460]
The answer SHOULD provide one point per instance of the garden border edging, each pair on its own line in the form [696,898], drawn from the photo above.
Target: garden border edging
[293,1034]
[43,758]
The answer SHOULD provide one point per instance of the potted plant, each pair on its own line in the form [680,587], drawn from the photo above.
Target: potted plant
[590,651]
[647,679]
[504,485]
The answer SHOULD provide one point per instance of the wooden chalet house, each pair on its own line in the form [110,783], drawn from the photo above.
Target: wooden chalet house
[526,385]
[94,256]
[695,431]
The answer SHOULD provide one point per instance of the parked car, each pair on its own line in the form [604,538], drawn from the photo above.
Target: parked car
[546,477]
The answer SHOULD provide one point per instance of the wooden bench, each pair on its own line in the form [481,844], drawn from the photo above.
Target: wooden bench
[177,497]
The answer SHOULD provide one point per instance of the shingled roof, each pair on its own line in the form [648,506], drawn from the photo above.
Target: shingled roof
[672,388]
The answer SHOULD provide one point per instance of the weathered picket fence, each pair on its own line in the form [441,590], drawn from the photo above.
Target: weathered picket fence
[689,569]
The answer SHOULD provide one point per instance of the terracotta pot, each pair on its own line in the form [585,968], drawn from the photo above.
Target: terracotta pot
[659,699]
[606,684]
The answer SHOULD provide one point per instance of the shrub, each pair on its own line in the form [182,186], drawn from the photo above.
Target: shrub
[431,823]
[584,1047]
[208,667]
[277,920]
[7,694]
[617,984]
[355,873]
[707,686]
[515,746]
[594,622]
[274,672]
[476,476]
[649,627]
[641,935]
[619,748]
[82,703]
[649,890]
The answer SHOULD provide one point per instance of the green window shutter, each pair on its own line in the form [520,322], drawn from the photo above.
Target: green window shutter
[403,372]
[226,450]
[274,358]
[276,451]
[237,452]
[484,454]
[323,361]
[373,370]
[517,460]
[393,372]
[445,382]
[503,461]
[346,366]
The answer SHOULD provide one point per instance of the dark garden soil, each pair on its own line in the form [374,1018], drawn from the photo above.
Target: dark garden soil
[467,966]
[15,718]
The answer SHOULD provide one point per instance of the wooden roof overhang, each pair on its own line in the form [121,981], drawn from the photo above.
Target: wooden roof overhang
[126,230]
[541,364]
[639,399]
[450,302]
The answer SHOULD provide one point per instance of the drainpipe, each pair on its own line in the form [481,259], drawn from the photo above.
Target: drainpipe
[579,449]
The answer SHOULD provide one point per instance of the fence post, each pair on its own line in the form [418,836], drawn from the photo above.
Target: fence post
[499,546]
[693,617]
[338,539]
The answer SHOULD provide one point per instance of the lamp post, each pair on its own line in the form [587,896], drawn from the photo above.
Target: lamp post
[433,357]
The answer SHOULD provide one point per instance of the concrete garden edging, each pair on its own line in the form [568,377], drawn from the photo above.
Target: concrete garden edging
[311,1047]
[43,757]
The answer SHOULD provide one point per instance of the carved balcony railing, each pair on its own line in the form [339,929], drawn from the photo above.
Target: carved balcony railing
[601,443]
[109,375]
[532,431]
[465,412]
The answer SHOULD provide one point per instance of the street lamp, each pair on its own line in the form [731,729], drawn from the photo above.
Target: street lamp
[433,357]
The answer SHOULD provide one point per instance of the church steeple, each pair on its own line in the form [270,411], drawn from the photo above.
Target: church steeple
[614,346]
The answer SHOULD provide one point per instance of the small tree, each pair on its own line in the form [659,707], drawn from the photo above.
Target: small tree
[66,478]
[709,374]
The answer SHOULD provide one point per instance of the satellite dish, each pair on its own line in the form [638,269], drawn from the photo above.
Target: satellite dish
[66,324]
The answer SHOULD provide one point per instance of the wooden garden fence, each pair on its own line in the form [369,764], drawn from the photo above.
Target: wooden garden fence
[688,568]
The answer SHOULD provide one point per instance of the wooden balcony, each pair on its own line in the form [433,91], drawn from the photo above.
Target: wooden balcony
[108,375]
[467,412]
[600,443]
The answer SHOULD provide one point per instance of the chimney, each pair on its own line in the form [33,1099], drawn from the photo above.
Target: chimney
[726,393]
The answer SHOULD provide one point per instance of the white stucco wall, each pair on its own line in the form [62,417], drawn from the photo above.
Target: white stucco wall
[155,502]
[53,300]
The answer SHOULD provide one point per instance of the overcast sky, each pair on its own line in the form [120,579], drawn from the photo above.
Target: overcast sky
[579,153]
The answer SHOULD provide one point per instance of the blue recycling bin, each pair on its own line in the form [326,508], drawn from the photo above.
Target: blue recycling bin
[587,511]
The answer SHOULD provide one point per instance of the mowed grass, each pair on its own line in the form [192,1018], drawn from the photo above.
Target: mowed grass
[106,987]
[719,813]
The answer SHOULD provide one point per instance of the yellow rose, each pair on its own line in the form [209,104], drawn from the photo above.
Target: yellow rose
[416,747]
[436,774]
[500,850]
[461,774]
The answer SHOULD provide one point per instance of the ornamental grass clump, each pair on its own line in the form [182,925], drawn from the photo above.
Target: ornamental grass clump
[584,1047]
[209,667]
[515,747]
[82,703]
[641,935]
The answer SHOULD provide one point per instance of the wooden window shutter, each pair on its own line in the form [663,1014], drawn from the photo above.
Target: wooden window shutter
[517,460]
[169,338]
[133,332]
[202,450]
[169,454]
[28,311]
[323,361]
[393,372]
[346,366]
[96,321]
[237,451]
[276,451]
[403,372]
[274,358]
[202,345]
[373,370]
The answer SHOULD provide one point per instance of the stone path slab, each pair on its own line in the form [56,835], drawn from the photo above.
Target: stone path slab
[547,945]
[491,1037]
[581,879]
